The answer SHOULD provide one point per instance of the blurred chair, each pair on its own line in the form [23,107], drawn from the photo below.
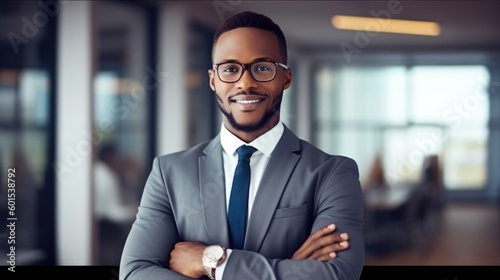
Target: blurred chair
[376,177]
[431,203]
[433,179]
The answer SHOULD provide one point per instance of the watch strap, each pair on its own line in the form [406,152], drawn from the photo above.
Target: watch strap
[210,272]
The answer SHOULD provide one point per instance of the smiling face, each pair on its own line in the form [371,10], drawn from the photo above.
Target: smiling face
[250,108]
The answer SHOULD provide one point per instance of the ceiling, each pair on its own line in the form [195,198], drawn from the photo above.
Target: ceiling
[465,25]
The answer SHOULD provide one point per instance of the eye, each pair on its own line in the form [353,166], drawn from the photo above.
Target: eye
[262,68]
[229,68]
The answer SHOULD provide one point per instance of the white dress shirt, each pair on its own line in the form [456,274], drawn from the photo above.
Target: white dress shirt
[265,145]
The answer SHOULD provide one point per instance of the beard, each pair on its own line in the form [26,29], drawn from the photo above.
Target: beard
[268,115]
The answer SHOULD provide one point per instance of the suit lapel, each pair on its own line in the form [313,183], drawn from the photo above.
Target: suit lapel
[213,193]
[278,171]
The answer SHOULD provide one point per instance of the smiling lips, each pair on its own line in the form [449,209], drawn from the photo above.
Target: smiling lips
[247,103]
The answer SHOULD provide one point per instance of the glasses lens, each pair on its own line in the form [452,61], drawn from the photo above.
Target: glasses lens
[229,72]
[263,71]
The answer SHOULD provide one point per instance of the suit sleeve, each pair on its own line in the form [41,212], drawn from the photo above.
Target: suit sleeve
[153,234]
[339,200]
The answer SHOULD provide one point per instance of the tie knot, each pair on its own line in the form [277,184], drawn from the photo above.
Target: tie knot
[245,152]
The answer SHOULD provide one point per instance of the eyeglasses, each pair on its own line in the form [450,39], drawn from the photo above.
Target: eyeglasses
[261,71]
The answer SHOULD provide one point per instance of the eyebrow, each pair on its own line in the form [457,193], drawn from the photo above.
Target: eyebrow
[255,60]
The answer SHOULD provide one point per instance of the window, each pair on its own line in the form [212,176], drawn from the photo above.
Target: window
[124,118]
[405,114]
[454,97]
[27,75]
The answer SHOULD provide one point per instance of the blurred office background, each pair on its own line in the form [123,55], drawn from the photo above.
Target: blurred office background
[92,91]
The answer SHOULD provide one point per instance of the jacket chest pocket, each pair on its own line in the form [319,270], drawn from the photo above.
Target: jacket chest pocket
[291,211]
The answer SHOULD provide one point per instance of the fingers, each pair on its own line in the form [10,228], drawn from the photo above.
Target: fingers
[322,245]
[310,244]
[329,251]
[312,240]
[328,241]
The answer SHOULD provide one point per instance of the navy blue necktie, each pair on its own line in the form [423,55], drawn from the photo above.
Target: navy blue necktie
[238,203]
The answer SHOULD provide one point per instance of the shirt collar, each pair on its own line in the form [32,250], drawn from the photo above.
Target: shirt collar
[264,143]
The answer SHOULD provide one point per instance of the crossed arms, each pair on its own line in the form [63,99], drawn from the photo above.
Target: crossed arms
[322,245]
[155,250]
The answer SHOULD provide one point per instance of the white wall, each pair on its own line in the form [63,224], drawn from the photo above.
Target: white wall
[74,134]
[172,92]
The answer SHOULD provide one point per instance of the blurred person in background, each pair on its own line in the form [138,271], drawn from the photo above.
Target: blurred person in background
[305,207]
[132,178]
[114,215]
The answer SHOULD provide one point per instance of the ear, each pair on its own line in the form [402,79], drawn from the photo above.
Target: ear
[211,78]
[287,78]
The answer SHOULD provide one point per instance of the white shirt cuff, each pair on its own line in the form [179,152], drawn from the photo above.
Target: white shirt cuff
[219,271]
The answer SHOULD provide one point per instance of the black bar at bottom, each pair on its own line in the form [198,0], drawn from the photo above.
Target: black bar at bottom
[369,272]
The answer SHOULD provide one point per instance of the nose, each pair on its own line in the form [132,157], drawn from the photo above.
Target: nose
[246,81]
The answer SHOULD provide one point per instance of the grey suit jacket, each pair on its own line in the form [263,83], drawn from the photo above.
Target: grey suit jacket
[302,190]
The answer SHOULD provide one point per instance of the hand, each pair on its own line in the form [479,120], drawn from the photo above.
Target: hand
[186,259]
[322,245]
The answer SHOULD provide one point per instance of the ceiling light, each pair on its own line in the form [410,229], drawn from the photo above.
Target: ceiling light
[386,25]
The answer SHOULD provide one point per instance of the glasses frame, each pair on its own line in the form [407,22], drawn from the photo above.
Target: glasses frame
[247,66]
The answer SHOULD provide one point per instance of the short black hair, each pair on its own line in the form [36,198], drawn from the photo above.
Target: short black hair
[253,20]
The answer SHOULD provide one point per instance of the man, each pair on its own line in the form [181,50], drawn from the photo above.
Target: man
[300,204]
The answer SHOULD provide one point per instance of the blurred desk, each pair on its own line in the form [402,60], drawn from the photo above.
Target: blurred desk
[388,198]
[389,218]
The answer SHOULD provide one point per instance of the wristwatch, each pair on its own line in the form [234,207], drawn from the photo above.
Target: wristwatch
[213,256]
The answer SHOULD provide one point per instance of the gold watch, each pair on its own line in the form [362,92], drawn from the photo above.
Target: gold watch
[213,256]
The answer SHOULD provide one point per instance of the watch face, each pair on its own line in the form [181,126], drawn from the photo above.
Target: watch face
[214,252]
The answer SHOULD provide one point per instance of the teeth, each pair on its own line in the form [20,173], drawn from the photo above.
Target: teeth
[247,101]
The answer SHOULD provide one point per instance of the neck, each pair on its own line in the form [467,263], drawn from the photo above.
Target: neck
[249,136]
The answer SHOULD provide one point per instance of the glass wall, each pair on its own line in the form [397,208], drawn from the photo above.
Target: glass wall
[402,115]
[27,92]
[456,98]
[124,93]
[203,121]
